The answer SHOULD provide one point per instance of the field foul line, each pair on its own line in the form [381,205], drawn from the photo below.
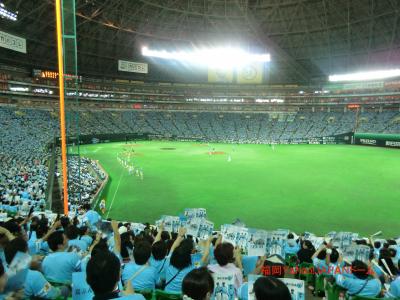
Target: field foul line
[112,201]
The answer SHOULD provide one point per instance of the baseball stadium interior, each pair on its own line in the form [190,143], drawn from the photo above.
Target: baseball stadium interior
[200,149]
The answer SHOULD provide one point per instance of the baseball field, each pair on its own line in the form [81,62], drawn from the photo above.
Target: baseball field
[316,188]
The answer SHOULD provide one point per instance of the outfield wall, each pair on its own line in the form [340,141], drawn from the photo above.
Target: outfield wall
[345,138]
[377,139]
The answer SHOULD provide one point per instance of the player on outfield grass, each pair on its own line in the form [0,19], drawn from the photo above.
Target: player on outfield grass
[103,206]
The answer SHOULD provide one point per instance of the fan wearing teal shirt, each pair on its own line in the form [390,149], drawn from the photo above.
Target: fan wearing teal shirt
[158,259]
[59,265]
[35,284]
[72,233]
[140,273]
[361,284]
[103,274]
[180,262]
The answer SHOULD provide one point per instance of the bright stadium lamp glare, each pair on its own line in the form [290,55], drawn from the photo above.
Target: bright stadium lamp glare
[7,14]
[363,76]
[214,57]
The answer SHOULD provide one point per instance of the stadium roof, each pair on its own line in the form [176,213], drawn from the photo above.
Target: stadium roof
[307,39]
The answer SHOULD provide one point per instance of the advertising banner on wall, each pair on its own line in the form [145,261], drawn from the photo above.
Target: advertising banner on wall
[132,67]
[250,74]
[218,75]
[380,140]
[12,42]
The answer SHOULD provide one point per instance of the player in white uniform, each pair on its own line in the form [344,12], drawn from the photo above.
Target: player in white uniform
[102,206]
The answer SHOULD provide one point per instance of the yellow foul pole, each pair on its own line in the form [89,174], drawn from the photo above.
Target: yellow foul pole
[62,105]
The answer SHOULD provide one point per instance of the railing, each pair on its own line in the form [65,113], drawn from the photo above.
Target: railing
[50,177]
[103,187]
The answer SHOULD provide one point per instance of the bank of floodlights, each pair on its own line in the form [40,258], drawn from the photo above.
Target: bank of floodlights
[224,57]
[363,76]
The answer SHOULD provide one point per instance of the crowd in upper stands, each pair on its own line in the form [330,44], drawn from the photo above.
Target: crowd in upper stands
[212,126]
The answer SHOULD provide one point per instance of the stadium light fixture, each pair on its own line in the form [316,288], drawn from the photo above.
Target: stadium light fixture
[7,14]
[215,57]
[363,76]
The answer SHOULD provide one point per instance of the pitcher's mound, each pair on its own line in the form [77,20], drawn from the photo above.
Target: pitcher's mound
[216,152]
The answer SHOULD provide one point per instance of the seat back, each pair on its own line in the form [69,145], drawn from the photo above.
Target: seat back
[147,294]
[163,295]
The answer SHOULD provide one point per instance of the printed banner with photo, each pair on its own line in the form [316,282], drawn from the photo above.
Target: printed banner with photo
[171,223]
[296,288]
[235,235]
[224,286]
[329,236]
[137,228]
[308,235]
[275,243]
[191,213]
[206,229]
[343,239]
[17,271]
[316,241]
[356,252]
[257,242]
[193,226]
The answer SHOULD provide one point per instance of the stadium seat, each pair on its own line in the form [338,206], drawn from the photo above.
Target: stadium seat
[320,285]
[334,292]
[163,295]
[291,260]
[148,294]
[306,273]
[369,298]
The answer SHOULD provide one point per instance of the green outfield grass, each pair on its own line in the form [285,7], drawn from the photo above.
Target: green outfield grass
[317,188]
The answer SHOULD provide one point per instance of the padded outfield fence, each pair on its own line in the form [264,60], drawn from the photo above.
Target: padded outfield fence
[345,138]
[376,139]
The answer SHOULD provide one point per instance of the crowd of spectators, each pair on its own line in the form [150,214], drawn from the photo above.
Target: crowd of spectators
[24,161]
[85,178]
[87,257]
[67,255]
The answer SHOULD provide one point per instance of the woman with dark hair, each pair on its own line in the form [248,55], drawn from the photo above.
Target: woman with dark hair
[229,261]
[180,262]
[270,288]
[394,289]
[158,258]
[35,284]
[127,239]
[385,260]
[325,259]
[198,284]
[361,284]
[306,252]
